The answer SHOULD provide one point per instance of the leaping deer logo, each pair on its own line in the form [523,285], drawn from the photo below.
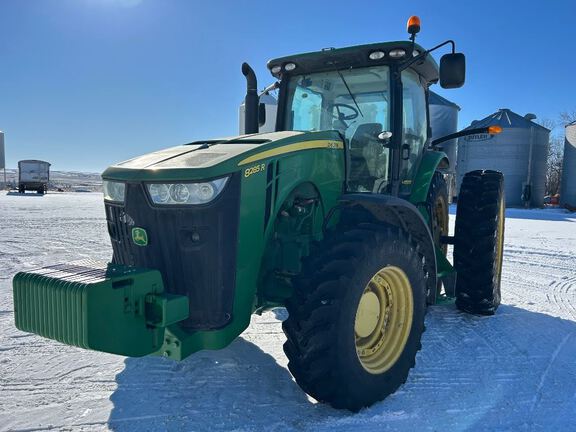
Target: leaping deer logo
[139,236]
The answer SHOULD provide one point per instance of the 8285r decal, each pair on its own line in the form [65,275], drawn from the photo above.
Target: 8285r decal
[254,170]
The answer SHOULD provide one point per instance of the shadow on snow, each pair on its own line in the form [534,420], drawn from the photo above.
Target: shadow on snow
[515,370]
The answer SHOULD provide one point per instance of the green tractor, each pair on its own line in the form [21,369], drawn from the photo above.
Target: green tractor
[340,215]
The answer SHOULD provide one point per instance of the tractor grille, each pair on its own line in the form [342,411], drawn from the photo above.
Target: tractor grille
[193,247]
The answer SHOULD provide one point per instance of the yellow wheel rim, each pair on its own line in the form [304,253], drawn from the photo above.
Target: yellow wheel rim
[383,319]
[500,241]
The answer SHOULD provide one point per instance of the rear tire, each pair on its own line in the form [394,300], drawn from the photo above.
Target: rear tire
[356,316]
[437,202]
[479,242]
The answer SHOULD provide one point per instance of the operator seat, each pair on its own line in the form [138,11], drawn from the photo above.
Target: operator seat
[366,156]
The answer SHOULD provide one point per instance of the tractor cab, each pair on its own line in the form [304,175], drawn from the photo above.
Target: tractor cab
[375,96]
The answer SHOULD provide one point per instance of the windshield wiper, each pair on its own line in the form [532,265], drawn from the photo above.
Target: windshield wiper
[350,93]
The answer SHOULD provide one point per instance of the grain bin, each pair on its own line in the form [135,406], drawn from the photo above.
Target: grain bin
[568,185]
[2,156]
[444,121]
[270,107]
[520,152]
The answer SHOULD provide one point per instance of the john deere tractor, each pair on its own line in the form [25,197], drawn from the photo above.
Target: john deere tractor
[340,215]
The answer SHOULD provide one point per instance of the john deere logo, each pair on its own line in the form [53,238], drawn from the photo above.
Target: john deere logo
[140,236]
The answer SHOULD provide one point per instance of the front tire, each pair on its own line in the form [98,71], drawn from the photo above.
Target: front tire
[357,316]
[479,242]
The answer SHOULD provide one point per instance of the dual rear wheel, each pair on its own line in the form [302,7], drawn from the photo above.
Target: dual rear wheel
[479,237]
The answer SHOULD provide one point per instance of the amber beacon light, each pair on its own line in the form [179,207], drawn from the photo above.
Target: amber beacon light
[494,130]
[413,25]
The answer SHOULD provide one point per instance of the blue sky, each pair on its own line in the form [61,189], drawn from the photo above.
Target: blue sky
[86,83]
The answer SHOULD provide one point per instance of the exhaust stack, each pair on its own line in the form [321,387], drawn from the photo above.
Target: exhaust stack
[250,101]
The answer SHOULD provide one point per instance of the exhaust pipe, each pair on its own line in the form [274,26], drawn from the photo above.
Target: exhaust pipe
[250,101]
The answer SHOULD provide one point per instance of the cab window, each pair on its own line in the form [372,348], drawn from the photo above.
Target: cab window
[355,102]
[415,124]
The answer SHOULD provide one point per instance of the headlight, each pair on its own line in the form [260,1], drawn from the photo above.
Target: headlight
[397,53]
[185,193]
[114,191]
[377,55]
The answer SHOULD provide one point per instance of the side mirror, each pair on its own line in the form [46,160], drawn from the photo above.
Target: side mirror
[452,70]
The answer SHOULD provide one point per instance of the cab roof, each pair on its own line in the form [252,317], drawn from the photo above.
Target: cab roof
[354,57]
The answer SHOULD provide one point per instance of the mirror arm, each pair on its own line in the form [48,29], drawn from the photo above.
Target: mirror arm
[423,55]
[271,87]
[462,133]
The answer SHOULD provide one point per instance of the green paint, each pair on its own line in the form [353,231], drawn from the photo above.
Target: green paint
[114,309]
[421,183]
[256,289]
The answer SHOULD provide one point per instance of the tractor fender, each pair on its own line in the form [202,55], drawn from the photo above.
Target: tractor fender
[398,212]
[431,161]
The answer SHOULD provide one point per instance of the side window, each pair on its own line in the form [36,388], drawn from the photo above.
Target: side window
[306,109]
[415,126]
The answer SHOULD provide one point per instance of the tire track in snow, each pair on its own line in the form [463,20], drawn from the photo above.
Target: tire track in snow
[562,294]
[538,394]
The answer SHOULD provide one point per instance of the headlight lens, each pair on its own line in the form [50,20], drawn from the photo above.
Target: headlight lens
[186,193]
[160,193]
[114,191]
[397,53]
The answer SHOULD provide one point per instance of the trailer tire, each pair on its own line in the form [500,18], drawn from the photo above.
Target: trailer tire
[479,242]
[356,316]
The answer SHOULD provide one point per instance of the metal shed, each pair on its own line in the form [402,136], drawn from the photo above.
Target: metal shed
[520,152]
[568,185]
[2,156]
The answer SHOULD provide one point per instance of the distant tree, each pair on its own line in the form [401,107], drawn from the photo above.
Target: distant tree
[554,159]
[556,150]
[554,165]
[567,117]
[547,123]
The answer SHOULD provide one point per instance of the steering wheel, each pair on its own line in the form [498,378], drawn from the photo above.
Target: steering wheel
[342,116]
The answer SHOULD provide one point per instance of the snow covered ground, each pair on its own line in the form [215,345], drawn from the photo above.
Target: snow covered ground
[514,371]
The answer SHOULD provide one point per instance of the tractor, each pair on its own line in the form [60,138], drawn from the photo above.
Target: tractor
[340,215]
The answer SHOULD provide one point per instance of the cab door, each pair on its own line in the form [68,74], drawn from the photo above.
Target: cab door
[414,128]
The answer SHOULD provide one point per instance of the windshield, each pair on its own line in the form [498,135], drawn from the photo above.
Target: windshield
[354,102]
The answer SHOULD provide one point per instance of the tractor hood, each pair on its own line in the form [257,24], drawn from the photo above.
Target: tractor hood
[207,158]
